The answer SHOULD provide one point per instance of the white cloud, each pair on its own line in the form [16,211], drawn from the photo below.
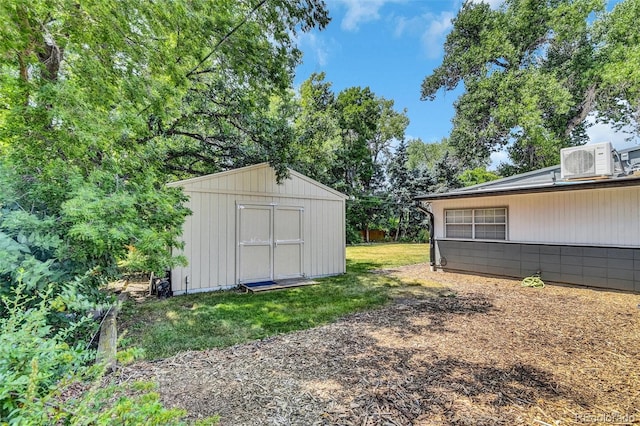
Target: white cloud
[497,158]
[431,28]
[602,132]
[318,47]
[361,11]
[437,29]
[410,26]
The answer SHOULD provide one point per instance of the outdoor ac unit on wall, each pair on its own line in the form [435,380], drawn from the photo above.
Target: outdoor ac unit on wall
[586,161]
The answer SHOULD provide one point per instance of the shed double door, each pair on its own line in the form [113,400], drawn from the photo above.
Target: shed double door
[270,242]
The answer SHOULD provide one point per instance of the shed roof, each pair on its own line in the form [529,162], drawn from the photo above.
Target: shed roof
[542,180]
[193,183]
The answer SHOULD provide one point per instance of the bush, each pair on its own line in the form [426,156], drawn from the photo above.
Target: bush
[33,358]
[39,370]
[353,235]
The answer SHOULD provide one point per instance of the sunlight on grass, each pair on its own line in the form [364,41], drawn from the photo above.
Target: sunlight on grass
[218,319]
[389,255]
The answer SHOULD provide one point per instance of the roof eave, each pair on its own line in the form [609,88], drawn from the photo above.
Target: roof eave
[552,187]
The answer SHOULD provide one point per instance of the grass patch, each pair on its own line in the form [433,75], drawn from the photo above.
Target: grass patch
[388,255]
[217,319]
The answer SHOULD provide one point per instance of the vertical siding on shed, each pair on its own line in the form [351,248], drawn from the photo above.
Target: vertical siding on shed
[607,217]
[210,232]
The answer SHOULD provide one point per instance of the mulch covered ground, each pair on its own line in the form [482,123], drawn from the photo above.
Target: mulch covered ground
[486,352]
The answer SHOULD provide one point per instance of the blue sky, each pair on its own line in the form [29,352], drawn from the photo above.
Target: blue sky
[391,46]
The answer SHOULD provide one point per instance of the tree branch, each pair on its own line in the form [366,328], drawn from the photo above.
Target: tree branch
[583,110]
[226,37]
[499,63]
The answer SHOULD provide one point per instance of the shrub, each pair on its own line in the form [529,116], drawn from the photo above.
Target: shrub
[39,370]
[353,235]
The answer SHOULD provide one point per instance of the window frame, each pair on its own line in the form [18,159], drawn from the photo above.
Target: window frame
[473,224]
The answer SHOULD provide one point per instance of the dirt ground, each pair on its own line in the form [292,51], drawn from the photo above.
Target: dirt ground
[486,352]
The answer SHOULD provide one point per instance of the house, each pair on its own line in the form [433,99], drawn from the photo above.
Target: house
[247,228]
[576,223]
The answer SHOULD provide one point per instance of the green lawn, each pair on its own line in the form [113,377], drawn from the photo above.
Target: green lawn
[205,320]
[388,255]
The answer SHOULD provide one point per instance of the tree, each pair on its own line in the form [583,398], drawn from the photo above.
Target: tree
[421,154]
[530,75]
[317,129]
[101,101]
[390,127]
[441,160]
[368,125]
[446,173]
[619,65]
[404,184]
[476,176]
[400,188]
[358,115]
[345,141]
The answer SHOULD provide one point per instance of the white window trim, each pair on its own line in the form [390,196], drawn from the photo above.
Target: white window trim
[473,223]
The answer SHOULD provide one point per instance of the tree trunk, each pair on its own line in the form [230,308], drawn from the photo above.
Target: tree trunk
[398,229]
[51,57]
[583,110]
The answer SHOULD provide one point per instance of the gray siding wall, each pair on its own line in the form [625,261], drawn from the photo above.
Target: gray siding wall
[604,267]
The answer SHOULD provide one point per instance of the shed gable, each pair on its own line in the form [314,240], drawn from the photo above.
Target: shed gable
[259,179]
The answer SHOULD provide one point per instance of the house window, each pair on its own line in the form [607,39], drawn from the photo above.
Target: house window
[477,224]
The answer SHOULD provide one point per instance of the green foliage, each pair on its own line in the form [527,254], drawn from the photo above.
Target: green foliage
[344,141]
[353,235]
[426,155]
[531,76]
[404,184]
[107,217]
[33,358]
[45,380]
[619,64]
[30,247]
[101,100]
[477,176]
[36,255]
[317,130]
[354,168]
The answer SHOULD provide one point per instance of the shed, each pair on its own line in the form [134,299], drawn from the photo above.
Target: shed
[247,228]
[584,231]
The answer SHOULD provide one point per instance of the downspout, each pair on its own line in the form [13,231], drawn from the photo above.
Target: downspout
[432,246]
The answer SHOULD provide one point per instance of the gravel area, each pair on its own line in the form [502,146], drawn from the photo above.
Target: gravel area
[486,351]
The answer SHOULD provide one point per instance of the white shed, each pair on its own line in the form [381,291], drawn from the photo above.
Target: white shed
[247,228]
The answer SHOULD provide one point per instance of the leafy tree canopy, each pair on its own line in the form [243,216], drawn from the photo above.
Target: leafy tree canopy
[345,141]
[532,72]
[476,176]
[421,154]
[101,103]
[619,63]
[317,130]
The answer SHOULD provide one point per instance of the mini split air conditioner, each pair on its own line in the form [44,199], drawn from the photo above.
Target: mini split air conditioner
[586,161]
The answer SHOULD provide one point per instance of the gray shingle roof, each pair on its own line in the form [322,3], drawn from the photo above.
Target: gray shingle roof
[542,180]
